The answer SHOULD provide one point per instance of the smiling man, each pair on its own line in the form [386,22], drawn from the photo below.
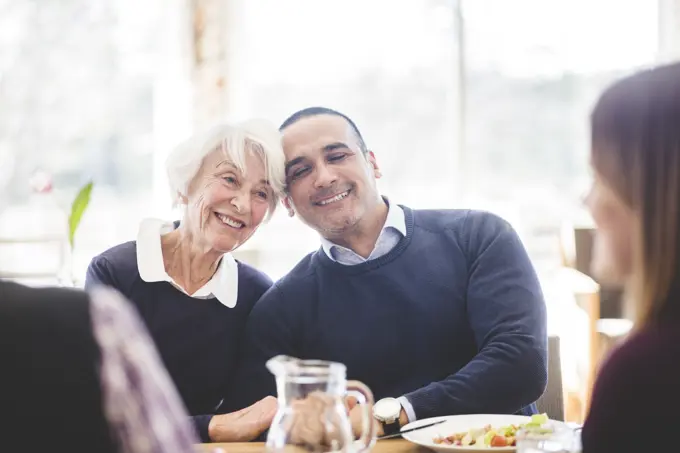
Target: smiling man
[439,311]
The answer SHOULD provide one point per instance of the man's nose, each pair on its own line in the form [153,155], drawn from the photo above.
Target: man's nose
[324,177]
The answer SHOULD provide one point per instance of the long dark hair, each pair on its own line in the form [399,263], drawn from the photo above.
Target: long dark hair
[636,151]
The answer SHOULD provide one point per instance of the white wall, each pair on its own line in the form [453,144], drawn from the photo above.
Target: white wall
[669,30]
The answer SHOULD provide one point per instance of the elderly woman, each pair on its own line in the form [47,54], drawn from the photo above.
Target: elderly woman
[193,296]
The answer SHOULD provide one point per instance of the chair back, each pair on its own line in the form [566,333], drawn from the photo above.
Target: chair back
[552,400]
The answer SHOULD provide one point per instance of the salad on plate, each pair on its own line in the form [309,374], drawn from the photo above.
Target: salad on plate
[502,436]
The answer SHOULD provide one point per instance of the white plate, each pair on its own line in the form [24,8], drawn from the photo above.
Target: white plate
[461,423]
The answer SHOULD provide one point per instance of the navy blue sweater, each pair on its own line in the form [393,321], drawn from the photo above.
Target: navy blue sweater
[453,318]
[199,340]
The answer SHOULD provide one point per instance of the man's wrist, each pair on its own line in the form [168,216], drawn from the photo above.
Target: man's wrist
[407,407]
[403,417]
[212,429]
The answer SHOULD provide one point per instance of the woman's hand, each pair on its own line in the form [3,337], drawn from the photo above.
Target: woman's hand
[244,425]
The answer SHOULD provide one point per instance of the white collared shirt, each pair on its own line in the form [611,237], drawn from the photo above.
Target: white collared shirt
[223,285]
[390,235]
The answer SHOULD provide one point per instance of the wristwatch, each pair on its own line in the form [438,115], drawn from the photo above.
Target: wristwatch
[387,411]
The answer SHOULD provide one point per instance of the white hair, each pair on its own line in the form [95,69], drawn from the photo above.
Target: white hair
[235,140]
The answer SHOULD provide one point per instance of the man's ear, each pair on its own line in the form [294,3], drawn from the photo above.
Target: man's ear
[288,205]
[370,156]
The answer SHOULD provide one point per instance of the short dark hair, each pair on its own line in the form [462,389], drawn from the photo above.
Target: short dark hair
[314,111]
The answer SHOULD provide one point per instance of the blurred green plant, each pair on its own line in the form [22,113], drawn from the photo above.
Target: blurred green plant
[78,208]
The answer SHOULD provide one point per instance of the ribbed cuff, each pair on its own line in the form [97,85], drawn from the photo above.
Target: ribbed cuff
[201,423]
[408,408]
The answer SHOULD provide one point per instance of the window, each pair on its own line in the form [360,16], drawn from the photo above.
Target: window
[77,100]
[388,65]
[533,70]
[485,106]
[470,103]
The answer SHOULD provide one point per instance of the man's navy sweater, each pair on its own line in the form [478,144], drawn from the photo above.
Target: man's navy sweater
[453,318]
[199,340]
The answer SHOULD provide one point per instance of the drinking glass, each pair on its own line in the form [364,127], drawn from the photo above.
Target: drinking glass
[561,439]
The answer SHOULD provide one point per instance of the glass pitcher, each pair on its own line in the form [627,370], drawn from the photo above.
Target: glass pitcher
[312,415]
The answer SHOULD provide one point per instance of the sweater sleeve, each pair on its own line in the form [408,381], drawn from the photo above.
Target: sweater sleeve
[99,274]
[270,332]
[202,422]
[507,315]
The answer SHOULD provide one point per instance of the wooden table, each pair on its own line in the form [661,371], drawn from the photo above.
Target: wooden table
[382,446]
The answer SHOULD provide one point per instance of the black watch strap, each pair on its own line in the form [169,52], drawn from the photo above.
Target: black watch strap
[391,428]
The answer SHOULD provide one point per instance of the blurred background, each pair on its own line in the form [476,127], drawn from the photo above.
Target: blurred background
[469,103]
[479,103]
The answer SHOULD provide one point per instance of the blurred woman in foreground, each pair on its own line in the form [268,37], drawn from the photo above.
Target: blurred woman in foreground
[80,373]
[635,203]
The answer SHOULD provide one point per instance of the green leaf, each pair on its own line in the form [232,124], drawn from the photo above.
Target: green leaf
[77,209]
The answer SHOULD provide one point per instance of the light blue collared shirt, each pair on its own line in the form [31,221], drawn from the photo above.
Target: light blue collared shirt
[392,232]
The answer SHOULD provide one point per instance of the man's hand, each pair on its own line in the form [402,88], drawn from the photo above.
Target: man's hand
[356,417]
[244,425]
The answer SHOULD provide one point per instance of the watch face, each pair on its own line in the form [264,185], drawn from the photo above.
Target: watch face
[387,408]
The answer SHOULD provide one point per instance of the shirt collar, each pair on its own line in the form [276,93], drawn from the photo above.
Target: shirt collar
[395,219]
[223,285]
